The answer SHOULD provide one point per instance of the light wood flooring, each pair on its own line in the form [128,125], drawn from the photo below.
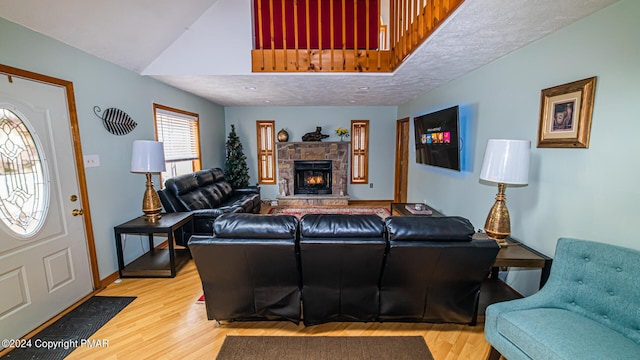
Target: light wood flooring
[165,322]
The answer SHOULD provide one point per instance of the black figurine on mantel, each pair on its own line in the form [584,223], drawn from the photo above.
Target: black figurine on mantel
[314,136]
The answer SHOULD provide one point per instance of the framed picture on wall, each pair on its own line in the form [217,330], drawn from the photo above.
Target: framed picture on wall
[565,115]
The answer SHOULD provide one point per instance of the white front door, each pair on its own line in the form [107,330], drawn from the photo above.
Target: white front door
[44,260]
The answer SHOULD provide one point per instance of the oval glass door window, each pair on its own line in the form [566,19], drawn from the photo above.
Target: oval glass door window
[23,193]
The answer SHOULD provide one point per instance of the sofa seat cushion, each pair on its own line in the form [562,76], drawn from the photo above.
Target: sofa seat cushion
[541,333]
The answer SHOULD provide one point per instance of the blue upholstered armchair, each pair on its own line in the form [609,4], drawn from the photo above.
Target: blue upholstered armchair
[589,308]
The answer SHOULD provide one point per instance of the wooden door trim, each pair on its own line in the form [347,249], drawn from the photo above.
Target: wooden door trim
[77,149]
[401,172]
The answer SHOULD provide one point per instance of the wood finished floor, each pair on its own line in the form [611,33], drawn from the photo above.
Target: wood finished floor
[165,322]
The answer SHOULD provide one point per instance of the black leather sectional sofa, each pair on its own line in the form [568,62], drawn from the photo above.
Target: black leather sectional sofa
[208,195]
[332,267]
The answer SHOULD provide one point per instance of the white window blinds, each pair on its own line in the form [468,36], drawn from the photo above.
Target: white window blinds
[179,133]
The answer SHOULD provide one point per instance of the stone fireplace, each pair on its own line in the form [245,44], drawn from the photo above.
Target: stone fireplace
[334,153]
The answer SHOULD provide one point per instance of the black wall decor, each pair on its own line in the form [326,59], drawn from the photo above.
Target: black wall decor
[115,120]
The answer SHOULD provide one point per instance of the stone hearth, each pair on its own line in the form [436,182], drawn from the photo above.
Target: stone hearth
[313,200]
[337,152]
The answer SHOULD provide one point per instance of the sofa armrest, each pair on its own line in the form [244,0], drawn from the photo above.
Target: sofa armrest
[203,220]
[211,213]
[545,298]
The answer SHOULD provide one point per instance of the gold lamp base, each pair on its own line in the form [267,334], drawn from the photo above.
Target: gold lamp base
[498,224]
[151,206]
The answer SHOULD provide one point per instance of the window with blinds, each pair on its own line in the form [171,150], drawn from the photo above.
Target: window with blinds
[266,151]
[179,131]
[359,151]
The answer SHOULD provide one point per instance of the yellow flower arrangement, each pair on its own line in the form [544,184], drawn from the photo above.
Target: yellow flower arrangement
[342,132]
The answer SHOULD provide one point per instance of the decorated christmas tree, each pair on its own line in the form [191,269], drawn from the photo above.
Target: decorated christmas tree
[236,171]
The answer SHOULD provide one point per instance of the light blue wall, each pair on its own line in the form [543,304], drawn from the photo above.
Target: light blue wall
[585,193]
[115,194]
[302,119]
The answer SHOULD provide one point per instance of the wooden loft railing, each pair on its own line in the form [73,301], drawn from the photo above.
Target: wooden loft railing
[342,35]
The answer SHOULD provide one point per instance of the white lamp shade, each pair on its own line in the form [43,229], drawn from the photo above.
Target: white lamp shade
[506,161]
[147,157]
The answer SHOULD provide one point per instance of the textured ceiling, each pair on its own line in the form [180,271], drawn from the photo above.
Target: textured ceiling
[479,32]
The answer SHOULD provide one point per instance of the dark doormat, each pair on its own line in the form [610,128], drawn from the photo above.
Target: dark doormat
[72,329]
[324,347]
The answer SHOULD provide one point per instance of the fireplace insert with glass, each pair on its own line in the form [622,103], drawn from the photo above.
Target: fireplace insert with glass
[312,177]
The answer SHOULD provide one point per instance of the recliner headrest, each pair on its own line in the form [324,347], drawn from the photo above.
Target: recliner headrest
[255,226]
[327,225]
[218,174]
[204,177]
[182,184]
[423,228]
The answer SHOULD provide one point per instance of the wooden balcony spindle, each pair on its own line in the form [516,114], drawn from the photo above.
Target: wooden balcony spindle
[295,33]
[416,17]
[355,35]
[308,29]
[272,35]
[260,36]
[421,21]
[392,32]
[380,46]
[320,34]
[429,17]
[366,35]
[344,35]
[402,23]
[332,31]
[284,35]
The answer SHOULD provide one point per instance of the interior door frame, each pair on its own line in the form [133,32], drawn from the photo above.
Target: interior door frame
[77,152]
[401,167]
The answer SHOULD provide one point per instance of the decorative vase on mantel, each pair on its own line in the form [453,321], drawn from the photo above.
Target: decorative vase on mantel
[342,133]
[283,135]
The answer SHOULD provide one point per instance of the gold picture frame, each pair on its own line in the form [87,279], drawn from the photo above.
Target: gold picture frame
[565,115]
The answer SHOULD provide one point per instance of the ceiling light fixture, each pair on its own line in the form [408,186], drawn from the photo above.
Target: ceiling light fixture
[250,88]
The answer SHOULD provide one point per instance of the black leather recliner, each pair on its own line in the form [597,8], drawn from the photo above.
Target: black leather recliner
[341,258]
[208,195]
[433,270]
[249,268]
[342,268]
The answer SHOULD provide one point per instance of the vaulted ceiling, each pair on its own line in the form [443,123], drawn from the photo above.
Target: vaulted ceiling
[144,36]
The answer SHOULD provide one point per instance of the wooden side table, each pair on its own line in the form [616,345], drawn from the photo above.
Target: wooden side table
[517,255]
[163,262]
[399,209]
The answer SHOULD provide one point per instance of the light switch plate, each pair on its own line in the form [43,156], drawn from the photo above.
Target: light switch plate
[91,161]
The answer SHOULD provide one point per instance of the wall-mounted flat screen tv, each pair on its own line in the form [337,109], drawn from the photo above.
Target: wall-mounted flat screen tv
[438,139]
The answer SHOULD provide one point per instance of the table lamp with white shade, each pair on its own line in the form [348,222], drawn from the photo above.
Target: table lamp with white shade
[148,157]
[506,162]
